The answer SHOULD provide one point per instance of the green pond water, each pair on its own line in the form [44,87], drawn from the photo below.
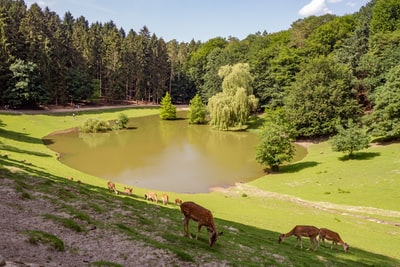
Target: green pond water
[164,155]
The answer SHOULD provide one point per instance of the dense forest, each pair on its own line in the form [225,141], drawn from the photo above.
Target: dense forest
[324,70]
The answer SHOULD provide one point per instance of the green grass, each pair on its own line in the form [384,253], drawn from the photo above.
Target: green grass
[36,237]
[358,198]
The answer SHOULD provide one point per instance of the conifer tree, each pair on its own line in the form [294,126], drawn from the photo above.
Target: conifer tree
[167,109]
[197,111]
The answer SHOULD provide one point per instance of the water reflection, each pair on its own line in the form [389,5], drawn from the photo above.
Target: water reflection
[163,155]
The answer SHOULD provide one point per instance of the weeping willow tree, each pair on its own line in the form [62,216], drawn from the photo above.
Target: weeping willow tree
[231,108]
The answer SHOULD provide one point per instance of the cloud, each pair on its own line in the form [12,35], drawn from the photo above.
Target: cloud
[316,7]
[41,3]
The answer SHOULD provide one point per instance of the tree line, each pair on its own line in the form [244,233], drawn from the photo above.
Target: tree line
[322,72]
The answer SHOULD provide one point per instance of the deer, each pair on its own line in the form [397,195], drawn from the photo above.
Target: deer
[128,190]
[330,235]
[302,230]
[178,201]
[112,188]
[151,196]
[165,199]
[203,217]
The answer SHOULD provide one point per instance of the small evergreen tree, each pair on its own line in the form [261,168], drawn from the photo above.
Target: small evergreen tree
[167,109]
[122,120]
[349,139]
[197,110]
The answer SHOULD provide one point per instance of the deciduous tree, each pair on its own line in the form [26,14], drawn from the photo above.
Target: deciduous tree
[350,139]
[321,96]
[275,146]
[385,119]
[230,109]
[25,89]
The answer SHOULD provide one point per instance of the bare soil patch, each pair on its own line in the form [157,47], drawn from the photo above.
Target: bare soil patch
[22,208]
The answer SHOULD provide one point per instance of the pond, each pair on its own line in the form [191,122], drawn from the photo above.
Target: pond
[163,155]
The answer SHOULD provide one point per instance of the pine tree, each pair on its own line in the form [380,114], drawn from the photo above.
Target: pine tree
[167,109]
[197,111]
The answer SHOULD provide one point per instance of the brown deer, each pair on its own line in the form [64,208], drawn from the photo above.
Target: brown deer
[112,188]
[201,215]
[128,190]
[178,201]
[151,196]
[165,199]
[332,236]
[303,230]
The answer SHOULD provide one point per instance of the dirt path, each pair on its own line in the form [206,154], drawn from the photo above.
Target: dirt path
[365,213]
[63,109]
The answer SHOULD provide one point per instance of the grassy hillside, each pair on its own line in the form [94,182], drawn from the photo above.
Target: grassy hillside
[357,198]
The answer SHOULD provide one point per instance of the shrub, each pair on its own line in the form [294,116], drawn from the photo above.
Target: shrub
[122,120]
[93,125]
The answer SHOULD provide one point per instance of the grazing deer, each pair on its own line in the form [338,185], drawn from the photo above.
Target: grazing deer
[201,215]
[151,196]
[112,188]
[165,199]
[128,190]
[332,236]
[302,230]
[178,201]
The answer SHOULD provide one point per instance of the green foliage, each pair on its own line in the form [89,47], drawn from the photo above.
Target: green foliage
[36,237]
[382,56]
[350,139]
[275,145]
[246,227]
[94,125]
[197,111]
[386,16]
[25,89]
[66,222]
[330,36]
[230,109]
[321,96]
[385,118]
[167,109]
[123,120]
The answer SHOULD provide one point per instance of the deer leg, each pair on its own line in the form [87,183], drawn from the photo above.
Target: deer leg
[314,243]
[311,244]
[186,227]
[198,230]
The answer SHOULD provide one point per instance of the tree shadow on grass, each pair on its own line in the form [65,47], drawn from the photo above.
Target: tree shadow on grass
[23,151]
[360,156]
[291,168]
[255,122]
[18,136]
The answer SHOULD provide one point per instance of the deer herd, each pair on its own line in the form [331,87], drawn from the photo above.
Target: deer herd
[313,233]
[204,217]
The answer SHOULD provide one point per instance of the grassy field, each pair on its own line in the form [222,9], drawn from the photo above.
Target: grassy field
[358,198]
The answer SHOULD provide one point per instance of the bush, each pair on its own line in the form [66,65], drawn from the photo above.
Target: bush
[94,126]
[122,120]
